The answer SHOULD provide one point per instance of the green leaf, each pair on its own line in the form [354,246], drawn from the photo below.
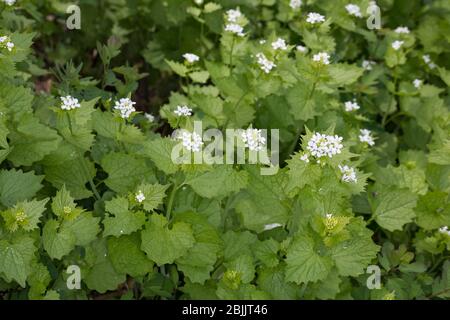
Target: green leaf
[57,242]
[15,259]
[126,171]
[217,182]
[159,151]
[198,262]
[25,214]
[344,74]
[178,68]
[126,256]
[393,208]
[123,221]
[18,186]
[262,202]
[84,227]
[100,275]
[67,167]
[163,244]
[64,206]
[31,141]
[433,210]
[304,263]
[154,195]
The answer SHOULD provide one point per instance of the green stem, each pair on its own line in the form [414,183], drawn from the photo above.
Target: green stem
[171,198]
[91,182]
[231,52]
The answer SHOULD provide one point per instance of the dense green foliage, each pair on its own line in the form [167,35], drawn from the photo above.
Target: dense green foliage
[91,188]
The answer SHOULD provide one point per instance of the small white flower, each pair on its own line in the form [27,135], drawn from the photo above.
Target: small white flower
[279,44]
[265,64]
[262,41]
[271,226]
[190,57]
[353,10]
[322,145]
[233,15]
[314,17]
[149,117]
[253,139]
[348,174]
[367,64]
[322,57]
[401,30]
[191,141]
[304,158]
[302,49]
[295,4]
[426,58]
[444,230]
[5,42]
[69,103]
[235,28]
[125,107]
[140,196]
[417,83]
[198,2]
[397,44]
[351,106]
[9,2]
[183,111]
[9,46]
[365,136]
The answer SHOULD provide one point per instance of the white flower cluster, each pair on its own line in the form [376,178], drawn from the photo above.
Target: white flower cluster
[183,111]
[302,49]
[396,45]
[321,145]
[232,17]
[279,44]
[367,64]
[9,2]
[265,64]
[444,230]
[402,30]
[69,103]
[351,106]
[5,42]
[365,136]
[426,58]
[140,196]
[314,17]
[190,57]
[253,139]
[125,107]
[295,4]
[322,57]
[417,83]
[191,141]
[348,174]
[235,28]
[353,10]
